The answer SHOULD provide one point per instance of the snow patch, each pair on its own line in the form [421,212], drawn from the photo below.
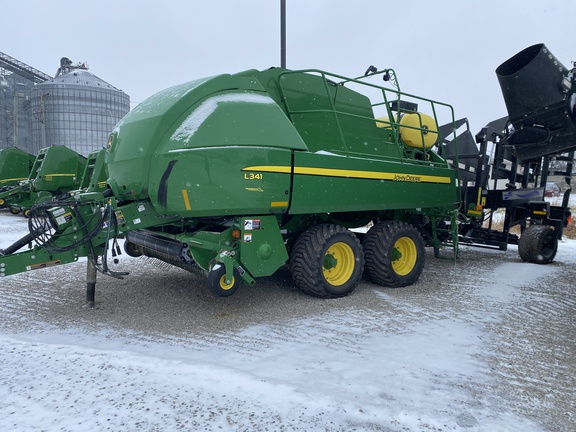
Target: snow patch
[189,126]
[506,279]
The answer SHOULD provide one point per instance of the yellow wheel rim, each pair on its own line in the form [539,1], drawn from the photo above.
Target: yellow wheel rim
[338,264]
[2,201]
[404,256]
[226,286]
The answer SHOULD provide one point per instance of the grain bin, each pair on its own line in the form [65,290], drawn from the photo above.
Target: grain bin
[76,109]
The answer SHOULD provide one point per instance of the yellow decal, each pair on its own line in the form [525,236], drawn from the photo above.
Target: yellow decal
[62,219]
[539,212]
[371,175]
[13,179]
[279,204]
[253,176]
[50,177]
[408,178]
[479,201]
[186,200]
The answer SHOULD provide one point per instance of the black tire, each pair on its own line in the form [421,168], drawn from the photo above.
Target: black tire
[132,250]
[394,253]
[217,281]
[327,261]
[14,210]
[538,244]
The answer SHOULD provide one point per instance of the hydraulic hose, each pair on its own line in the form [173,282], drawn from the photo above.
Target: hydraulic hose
[19,244]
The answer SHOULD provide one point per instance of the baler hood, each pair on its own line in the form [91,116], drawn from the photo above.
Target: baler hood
[224,110]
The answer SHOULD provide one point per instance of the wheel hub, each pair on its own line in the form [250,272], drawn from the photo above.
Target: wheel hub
[226,284]
[338,263]
[404,256]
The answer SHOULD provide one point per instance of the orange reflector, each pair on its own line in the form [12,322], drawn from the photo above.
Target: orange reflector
[236,233]
[478,207]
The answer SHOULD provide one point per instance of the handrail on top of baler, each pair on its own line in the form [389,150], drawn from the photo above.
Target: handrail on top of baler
[386,101]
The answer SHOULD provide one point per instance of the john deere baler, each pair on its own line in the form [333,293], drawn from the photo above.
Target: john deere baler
[15,166]
[56,169]
[237,175]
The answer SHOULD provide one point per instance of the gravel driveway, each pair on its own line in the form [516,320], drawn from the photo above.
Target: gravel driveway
[525,315]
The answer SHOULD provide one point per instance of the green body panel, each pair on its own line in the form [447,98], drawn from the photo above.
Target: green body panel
[139,215]
[330,183]
[223,111]
[57,169]
[211,182]
[262,249]
[95,172]
[15,166]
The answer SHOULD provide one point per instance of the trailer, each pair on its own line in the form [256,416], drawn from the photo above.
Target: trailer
[505,167]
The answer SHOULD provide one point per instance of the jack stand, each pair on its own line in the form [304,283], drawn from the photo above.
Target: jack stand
[90,283]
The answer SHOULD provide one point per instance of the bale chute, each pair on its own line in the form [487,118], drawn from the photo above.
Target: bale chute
[540,97]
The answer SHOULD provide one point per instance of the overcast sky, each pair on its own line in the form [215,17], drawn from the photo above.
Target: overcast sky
[442,49]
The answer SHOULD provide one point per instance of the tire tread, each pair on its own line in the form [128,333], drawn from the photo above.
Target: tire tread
[307,255]
[378,245]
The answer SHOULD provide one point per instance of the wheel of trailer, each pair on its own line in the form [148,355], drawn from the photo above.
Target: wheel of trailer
[14,210]
[538,244]
[327,261]
[217,283]
[394,253]
[26,213]
[132,250]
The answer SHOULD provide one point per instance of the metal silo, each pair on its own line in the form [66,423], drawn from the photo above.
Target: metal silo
[76,109]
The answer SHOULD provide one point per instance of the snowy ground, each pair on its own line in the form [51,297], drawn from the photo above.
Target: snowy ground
[484,344]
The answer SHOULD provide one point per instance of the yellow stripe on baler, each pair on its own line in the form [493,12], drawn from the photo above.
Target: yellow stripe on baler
[345,173]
